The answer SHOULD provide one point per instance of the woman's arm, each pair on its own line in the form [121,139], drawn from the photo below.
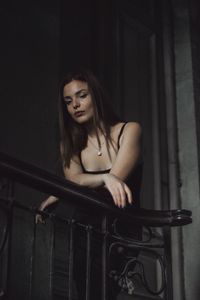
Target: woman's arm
[126,160]
[47,202]
[129,151]
[118,189]
[75,173]
[116,186]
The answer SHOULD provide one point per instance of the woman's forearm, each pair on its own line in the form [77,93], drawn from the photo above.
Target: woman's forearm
[119,191]
[90,180]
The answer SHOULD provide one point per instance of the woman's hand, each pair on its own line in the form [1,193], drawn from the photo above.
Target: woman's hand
[118,189]
[47,202]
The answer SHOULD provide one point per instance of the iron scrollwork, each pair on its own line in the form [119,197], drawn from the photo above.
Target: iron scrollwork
[127,269]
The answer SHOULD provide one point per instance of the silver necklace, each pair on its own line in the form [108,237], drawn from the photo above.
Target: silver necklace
[99,151]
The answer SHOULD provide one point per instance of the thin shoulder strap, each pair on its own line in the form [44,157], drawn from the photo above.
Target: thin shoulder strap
[120,134]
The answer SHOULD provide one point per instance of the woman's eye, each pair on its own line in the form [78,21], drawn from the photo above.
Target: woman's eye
[67,102]
[82,96]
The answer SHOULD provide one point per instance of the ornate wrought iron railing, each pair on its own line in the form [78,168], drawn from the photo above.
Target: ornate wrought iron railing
[96,251]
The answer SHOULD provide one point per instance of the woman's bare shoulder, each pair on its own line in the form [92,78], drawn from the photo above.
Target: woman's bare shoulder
[131,133]
[133,126]
[115,130]
[129,127]
[126,131]
[116,127]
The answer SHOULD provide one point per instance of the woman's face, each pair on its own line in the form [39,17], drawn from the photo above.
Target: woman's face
[78,101]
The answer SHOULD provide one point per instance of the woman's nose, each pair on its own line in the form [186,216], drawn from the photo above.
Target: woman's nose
[76,103]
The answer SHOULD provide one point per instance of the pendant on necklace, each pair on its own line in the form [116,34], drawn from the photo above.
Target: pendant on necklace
[99,153]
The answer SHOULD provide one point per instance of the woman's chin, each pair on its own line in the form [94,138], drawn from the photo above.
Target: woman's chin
[82,120]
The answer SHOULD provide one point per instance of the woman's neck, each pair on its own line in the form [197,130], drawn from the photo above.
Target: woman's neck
[92,131]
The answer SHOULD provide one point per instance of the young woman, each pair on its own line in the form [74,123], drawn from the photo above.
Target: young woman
[97,149]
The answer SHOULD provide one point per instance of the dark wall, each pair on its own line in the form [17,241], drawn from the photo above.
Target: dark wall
[86,38]
[29,76]
[77,28]
[40,42]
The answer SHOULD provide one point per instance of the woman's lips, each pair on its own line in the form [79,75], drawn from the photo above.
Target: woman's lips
[79,113]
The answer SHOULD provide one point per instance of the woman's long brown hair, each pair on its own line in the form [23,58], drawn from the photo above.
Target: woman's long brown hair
[73,136]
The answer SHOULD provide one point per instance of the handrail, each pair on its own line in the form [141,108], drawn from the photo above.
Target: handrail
[44,181]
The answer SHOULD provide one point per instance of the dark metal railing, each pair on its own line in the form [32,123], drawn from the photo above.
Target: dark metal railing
[96,253]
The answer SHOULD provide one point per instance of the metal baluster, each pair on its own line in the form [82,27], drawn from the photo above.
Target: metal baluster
[10,193]
[32,258]
[52,254]
[88,262]
[168,262]
[71,258]
[105,258]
